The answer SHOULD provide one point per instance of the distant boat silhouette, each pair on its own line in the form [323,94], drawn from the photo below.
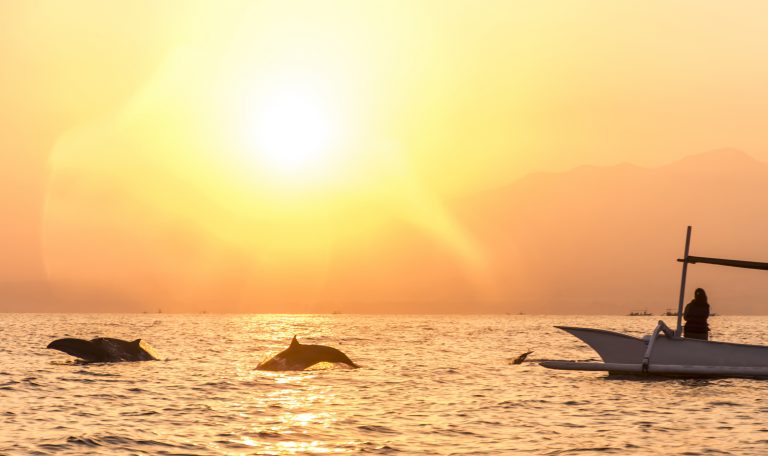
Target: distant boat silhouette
[670,313]
[639,313]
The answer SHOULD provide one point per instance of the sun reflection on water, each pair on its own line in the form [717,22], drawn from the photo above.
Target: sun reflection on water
[292,379]
[307,447]
[296,421]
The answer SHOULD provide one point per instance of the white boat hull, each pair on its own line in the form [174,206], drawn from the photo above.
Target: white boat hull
[670,355]
[661,369]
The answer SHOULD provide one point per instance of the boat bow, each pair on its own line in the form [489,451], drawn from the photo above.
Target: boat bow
[612,347]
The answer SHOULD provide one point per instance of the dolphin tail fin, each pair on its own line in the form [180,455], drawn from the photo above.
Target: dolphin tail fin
[521,358]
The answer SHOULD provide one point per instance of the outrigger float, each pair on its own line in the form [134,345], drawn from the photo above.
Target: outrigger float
[665,352]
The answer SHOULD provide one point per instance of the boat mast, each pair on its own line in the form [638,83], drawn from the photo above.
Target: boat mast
[679,329]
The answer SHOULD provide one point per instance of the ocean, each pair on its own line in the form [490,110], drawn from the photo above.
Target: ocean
[431,384]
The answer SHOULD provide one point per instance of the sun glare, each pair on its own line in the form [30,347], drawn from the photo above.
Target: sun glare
[294,134]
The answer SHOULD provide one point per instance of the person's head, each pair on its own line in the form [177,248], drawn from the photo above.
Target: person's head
[700,295]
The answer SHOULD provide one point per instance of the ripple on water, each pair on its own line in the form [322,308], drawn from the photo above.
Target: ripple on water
[383,449]
[139,413]
[105,444]
[377,429]
[724,404]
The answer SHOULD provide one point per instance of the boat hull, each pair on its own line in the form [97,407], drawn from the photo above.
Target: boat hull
[674,370]
[670,355]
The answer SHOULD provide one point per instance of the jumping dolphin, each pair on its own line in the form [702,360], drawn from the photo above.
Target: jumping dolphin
[521,358]
[299,357]
[105,349]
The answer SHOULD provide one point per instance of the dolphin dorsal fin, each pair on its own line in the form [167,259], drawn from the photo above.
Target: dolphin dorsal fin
[294,342]
[136,342]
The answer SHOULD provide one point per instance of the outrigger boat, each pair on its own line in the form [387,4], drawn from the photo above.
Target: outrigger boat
[665,351]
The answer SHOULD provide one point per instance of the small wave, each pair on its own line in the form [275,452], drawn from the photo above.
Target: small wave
[30,381]
[105,396]
[95,373]
[447,370]
[521,403]
[385,449]
[377,429]
[83,441]
[146,413]
[724,404]
[110,441]
[55,448]
[235,444]
[481,331]
[218,386]
[10,383]
[454,431]
[189,409]
[572,425]
[488,423]
[586,450]
[78,380]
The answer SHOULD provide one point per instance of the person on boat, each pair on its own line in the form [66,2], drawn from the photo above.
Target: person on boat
[695,315]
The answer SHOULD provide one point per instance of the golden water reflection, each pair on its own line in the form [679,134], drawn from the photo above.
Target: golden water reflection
[436,384]
[301,424]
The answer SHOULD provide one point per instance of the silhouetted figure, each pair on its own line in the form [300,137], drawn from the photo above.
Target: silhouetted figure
[695,315]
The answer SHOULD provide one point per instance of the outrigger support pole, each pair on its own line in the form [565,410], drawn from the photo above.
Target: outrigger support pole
[667,332]
[679,328]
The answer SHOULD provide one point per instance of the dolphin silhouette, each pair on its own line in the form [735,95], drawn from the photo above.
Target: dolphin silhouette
[521,358]
[299,357]
[105,349]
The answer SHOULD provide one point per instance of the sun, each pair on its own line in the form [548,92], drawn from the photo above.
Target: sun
[294,133]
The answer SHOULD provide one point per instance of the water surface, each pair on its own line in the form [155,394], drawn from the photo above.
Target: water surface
[428,385]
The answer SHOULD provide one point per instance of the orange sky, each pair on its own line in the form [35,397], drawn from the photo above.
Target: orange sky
[181,154]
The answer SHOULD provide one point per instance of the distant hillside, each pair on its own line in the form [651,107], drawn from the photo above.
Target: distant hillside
[590,240]
[600,240]
[606,239]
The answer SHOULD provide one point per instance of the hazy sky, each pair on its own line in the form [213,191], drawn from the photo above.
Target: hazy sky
[168,144]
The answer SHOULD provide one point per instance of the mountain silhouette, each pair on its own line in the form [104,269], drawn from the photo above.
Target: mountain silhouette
[600,240]
[592,240]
